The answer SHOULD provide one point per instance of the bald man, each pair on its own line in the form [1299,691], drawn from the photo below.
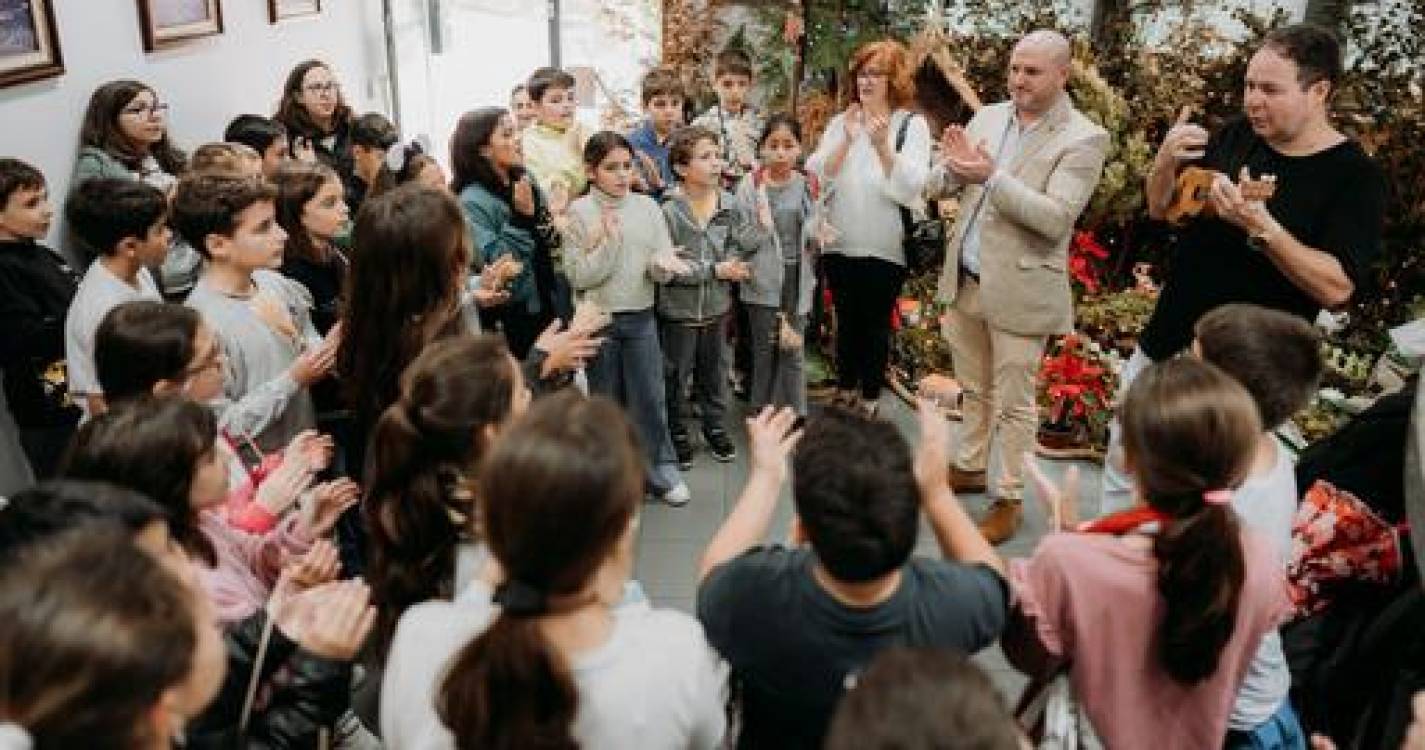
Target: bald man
[1024,170]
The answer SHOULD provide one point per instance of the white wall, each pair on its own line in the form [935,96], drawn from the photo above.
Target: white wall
[207,81]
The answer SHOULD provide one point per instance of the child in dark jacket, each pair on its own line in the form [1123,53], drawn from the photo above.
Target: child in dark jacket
[714,236]
[36,287]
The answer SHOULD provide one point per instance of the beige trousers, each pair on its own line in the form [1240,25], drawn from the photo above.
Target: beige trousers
[997,369]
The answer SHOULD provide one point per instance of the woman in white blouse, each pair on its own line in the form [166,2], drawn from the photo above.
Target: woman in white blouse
[874,159]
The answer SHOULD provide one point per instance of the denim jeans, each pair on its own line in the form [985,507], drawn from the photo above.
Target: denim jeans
[629,369]
[1281,732]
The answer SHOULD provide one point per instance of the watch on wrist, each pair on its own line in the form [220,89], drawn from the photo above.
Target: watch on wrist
[1261,238]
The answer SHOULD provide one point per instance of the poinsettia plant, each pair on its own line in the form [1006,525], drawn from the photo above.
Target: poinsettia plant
[1087,257]
[1076,385]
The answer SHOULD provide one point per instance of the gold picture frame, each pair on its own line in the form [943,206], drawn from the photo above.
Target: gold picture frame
[166,23]
[29,42]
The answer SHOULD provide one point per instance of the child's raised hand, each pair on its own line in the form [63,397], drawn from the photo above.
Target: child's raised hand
[654,179]
[669,263]
[285,484]
[612,224]
[313,447]
[329,501]
[558,199]
[522,197]
[932,454]
[1061,503]
[330,621]
[764,208]
[321,564]
[565,350]
[771,435]
[732,270]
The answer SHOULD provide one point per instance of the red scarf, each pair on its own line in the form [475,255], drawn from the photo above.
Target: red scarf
[1138,519]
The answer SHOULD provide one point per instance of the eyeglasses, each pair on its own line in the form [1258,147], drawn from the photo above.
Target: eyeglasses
[146,110]
[330,87]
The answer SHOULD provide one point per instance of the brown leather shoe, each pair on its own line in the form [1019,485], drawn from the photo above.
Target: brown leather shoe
[1001,520]
[967,481]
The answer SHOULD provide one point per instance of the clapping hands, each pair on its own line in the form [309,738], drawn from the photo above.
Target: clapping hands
[969,163]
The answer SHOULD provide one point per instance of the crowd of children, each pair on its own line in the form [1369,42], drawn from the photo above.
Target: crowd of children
[336,451]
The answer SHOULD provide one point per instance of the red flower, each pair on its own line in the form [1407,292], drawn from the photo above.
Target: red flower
[1073,383]
[1086,256]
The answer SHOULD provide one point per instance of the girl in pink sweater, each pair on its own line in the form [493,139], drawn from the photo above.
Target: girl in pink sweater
[166,448]
[1156,612]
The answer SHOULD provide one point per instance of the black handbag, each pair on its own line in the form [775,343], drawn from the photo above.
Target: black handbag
[923,240]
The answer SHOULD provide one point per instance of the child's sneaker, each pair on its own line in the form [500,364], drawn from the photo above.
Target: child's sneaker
[678,496]
[684,448]
[720,445]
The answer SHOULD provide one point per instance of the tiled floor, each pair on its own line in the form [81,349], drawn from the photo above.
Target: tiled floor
[672,539]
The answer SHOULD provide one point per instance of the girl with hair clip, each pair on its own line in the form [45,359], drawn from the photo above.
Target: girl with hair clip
[1156,611]
[513,222]
[407,163]
[125,135]
[618,247]
[778,296]
[317,118]
[549,660]
[102,646]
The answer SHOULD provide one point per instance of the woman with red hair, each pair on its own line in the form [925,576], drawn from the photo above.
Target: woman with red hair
[874,157]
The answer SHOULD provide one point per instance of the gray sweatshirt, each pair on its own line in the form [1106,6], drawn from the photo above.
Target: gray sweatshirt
[698,296]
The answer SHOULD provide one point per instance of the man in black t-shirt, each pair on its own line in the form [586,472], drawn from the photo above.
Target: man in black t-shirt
[798,624]
[1308,246]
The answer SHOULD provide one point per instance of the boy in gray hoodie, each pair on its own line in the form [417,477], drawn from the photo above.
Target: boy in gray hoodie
[714,236]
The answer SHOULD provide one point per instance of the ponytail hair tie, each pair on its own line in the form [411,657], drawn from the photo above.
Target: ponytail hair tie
[1217,497]
[519,599]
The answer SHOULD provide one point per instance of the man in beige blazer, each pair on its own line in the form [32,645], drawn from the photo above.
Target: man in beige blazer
[1024,169]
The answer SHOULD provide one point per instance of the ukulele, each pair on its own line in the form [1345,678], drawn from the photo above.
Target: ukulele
[1194,183]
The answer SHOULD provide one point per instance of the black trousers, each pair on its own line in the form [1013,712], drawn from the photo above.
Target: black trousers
[864,292]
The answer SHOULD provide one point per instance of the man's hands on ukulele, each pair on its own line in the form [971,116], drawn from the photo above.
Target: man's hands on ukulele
[1242,203]
[970,163]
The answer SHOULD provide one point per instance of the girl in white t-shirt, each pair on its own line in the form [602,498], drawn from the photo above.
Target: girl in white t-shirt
[549,656]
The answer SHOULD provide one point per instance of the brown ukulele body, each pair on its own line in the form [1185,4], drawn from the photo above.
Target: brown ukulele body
[1194,184]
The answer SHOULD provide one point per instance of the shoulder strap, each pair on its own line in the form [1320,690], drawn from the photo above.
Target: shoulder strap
[904,127]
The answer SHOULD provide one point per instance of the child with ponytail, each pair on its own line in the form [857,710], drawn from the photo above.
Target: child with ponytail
[1157,611]
[419,505]
[549,660]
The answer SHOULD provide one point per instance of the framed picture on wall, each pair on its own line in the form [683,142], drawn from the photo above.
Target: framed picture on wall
[168,22]
[281,10]
[29,41]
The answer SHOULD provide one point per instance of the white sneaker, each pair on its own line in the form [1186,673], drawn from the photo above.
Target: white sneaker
[678,496]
